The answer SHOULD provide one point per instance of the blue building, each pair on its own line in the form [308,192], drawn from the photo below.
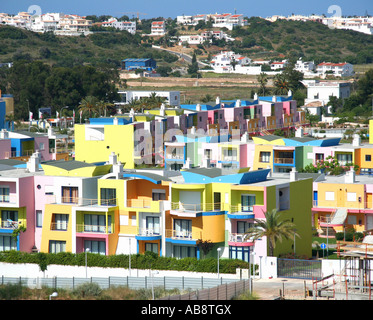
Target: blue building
[148,64]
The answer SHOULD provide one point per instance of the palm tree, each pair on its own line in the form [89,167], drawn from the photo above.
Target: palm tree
[282,86]
[262,79]
[272,227]
[89,104]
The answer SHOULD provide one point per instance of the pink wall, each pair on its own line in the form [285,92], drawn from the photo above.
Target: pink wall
[45,155]
[5,148]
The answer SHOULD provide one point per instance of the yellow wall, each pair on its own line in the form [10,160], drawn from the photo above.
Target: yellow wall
[264,165]
[340,195]
[48,234]
[360,158]
[118,139]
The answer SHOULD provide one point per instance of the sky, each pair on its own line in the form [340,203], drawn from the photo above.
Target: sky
[172,8]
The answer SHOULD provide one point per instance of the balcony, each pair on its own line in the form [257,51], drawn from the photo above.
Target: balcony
[182,235]
[191,210]
[240,240]
[9,200]
[241,212]
[284,161]
[149,234]
[146,205]
[89,228]
[53,199]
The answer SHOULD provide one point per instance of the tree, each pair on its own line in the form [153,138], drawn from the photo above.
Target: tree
[282,85]
[262,79]
[273,227]
[89,104]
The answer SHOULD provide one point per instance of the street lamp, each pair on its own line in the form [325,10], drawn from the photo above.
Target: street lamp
[153,273]
[53,295]
[86,251]
[66,107]
[218,250]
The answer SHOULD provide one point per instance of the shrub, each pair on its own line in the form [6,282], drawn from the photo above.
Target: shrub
[88,289]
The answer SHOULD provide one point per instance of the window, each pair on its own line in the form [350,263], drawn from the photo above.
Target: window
[9,218]
[69,194]
[98,247]
[96,223]
[242,226]
[183,228]
[152,247]
[57,246]
[108,197]
[7,243]
[368,157]
[343,159]
[152,225]
[264,156]
[39,218]
[247,203]
[319,157]
[4,194]
[60,221]
[181,252]
[158,195]
[240,253]
[351,196]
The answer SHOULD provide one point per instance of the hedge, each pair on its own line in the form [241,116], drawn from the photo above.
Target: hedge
[149,260]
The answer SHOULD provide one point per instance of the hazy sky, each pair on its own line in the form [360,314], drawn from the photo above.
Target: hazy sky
[173,8]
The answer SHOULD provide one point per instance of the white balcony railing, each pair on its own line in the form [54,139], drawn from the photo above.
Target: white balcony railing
[240,237]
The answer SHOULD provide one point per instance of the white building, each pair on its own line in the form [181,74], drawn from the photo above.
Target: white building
[129,26]
[172,97]
[230,62]
[304,66]
[335,69]
[319,92]
[204,36]
[224,20]
[278,65]
[158,28]
[360,24]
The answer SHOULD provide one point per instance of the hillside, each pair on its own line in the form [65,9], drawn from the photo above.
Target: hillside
[311,40]
[99,48]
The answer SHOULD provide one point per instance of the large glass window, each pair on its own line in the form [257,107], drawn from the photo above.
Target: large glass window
[70,194]
[240,253]
[39,218]
[4,194]
[247,203]
[96,223]
[98,247]
[7,243]
[108,197]
[57,246]
[183,228]
[242,226]
[152,224]
[181,252]
[265,156]
[152,247]
[60,221]
[8,218]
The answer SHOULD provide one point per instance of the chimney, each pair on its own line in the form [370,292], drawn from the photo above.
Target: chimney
[350,176]
[162,110]
[274,99]
[115,121]
[255,96]
[198,107]
[33,162]
[188,164]
[4,134]
[238,103]
[206,163]
[290,93]
[293,174]
[118,170]
[113,158]
[299,132]
[356,142]
[217,100]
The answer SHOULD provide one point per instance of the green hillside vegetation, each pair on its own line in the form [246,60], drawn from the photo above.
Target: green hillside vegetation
[107,48]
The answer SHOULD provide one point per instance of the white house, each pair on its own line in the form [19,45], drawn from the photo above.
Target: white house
[319,92]
[158,28]
[336,69]
[172,97]
[278,65]
[304,66]
[129,26]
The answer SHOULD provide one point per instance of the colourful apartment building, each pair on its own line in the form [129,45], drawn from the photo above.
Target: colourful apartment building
[342,202]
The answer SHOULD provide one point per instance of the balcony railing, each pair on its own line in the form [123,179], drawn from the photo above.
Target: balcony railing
[59,226]
[187,207]
[183,234]
[241,209]
[240,237]
[149,232]
[10,198]
[351,205]
[139,203]
[9,224]
[284,160]
[52,199]
[93,228]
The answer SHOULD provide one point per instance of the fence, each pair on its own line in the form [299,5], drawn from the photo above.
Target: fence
[222,292]
[299,269]
[147,282]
